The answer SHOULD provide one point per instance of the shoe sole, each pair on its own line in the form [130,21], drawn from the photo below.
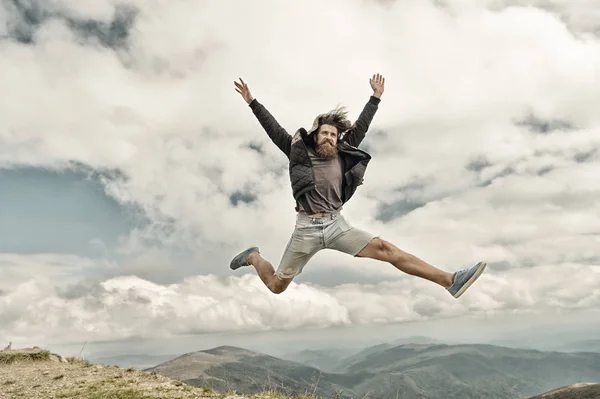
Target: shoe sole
[469,282]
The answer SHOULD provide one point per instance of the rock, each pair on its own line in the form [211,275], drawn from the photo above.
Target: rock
[63,360]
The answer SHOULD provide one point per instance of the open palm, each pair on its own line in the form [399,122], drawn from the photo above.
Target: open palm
[377,84]
[243,89]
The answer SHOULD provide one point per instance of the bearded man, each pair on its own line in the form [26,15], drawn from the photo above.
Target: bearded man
[325,168]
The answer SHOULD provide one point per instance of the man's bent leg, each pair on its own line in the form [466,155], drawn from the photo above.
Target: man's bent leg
[387,252]
[300,248]
[267,274]
[304,243]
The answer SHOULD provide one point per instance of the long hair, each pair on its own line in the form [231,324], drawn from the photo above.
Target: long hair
[337,117]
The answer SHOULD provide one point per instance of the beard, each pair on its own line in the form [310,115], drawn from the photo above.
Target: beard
[326,150]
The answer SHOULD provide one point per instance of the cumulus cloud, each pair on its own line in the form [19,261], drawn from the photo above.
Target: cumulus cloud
[39,310]
[485,145]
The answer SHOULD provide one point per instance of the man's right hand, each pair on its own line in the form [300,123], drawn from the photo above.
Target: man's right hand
[242,88]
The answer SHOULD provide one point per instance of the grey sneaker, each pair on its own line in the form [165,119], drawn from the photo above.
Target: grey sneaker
[242,259]
[463,279]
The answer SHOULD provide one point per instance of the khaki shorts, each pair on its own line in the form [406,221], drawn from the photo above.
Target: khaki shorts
[312,234]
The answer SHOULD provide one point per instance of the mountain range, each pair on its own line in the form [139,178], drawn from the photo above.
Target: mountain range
[416,370]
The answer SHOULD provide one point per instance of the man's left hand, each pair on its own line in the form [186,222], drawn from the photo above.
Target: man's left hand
[377,84]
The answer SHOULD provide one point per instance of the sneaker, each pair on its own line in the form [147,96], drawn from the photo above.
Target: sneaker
[242,259]
[463,279]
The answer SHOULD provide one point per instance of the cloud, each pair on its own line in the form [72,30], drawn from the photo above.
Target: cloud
[485,145]
[100,24]
[580,17]
[36,309]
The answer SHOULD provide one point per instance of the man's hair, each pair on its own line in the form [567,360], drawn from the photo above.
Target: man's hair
[338,117]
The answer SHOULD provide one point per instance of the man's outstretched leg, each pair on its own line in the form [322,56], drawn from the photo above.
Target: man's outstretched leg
[342,236]
[456,283]
[264,268]
[385,251]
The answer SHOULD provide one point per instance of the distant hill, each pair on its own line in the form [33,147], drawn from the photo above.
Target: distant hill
[138,361]
[467,371]
[334,360]
[322,359]
[375,350]
[228,368]
[418,339]
[590,345]
[551,339]
[385,371]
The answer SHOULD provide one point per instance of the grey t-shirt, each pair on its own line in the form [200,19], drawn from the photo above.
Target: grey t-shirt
[328,179]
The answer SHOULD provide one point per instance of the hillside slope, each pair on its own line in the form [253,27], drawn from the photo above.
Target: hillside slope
[34,373]
[575,391]
[381,372]
[227,368]
[467,371]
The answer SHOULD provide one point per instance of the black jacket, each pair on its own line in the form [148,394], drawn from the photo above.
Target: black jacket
[302,176]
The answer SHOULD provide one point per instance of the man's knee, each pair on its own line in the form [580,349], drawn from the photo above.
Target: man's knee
[278,284]
[379,249]
[277,287]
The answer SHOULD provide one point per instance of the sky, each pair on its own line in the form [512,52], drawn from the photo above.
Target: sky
[131,171]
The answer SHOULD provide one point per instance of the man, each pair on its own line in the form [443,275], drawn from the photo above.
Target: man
[325,168]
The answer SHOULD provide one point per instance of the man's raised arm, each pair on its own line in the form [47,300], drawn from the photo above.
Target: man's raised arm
[278,134]
[355,135]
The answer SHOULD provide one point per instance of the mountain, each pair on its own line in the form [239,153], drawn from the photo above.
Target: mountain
[465,371]
[38,373]
[553,337]
[228,368]
[574,391]
[590,345]
[417,339]
[386,371]
[375,350]
[130,360]
[333,360]
[322,359]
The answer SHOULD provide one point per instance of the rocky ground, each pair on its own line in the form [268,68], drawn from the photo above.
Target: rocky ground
[38,374]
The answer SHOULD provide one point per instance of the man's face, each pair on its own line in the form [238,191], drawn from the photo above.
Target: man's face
[326,141]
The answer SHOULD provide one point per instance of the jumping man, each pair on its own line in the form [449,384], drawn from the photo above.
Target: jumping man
[325,168]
